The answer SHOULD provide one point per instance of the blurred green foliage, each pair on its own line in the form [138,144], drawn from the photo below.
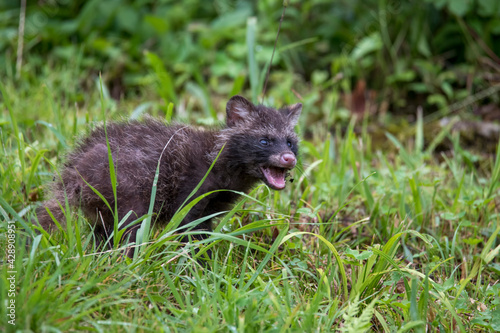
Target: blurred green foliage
[411,52]
[416,230]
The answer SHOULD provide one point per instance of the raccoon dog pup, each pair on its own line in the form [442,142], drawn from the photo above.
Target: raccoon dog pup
[259,142]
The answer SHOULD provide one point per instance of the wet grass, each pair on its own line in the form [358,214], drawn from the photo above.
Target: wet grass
[403,239]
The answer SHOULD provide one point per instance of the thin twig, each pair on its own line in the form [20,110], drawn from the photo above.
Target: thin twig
[285,3]
[469,100]
[20,40]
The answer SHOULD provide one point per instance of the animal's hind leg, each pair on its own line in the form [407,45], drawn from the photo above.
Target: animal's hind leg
[103,227]
[129,236]
[44,218]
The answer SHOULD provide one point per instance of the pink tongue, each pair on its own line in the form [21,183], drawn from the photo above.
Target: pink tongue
[275,177]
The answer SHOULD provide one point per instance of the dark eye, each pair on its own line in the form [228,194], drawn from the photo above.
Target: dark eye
[289,144]
[264,142]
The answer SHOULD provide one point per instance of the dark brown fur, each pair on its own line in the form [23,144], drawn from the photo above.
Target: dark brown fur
[187,154]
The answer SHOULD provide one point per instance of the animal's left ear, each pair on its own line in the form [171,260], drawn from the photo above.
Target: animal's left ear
[294,112]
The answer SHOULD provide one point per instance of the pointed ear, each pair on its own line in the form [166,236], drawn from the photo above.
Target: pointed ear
[238,110]
[294,112]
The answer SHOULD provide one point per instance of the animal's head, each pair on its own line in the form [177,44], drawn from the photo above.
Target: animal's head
[263,139]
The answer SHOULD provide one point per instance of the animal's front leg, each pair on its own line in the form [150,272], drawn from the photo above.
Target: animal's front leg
[197,212]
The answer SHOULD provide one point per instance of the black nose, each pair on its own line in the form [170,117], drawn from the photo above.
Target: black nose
[288,160]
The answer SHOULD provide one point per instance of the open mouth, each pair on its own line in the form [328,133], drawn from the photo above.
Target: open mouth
[275,176]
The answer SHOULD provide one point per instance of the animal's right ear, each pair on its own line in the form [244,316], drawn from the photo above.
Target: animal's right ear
[294,112]
[238,110]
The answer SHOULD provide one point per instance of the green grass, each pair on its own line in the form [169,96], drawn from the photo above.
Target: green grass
[395,239]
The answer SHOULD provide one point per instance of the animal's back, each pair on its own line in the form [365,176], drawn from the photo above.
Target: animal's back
[136,149]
